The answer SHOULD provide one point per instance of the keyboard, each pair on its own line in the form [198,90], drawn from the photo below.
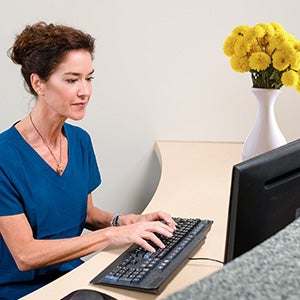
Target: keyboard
[138,269]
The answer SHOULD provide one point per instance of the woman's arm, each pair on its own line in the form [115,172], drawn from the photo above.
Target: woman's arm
[30,253]
[97,218]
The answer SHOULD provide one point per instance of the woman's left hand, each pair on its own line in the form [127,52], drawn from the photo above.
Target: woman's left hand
[153,216]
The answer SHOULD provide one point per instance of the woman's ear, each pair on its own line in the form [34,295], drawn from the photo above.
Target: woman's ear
[37,84]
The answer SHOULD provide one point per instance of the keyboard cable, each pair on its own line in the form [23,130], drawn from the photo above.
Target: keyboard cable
[206,258]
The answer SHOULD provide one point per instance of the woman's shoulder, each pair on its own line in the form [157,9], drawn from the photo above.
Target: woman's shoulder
[8,143]
[75,129]
[7,132]
[8,137]
[76,132]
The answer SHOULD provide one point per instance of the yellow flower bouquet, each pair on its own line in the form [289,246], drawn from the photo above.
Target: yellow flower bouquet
[268,52]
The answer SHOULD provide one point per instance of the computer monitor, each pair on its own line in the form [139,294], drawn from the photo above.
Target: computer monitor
[264,198]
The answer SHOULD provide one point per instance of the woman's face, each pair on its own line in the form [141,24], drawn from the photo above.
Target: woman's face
[68,90]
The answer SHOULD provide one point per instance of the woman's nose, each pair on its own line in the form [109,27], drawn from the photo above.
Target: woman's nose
[84,89]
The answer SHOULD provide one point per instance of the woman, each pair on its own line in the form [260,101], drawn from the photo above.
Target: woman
[48,169]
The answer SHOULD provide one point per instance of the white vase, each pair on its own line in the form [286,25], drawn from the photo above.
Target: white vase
[265,135]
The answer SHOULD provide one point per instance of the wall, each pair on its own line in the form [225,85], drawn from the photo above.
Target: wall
[160,74]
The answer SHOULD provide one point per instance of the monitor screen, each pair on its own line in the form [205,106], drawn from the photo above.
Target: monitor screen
[264,198]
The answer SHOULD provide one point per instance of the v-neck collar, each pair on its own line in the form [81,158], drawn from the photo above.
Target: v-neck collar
[43,163]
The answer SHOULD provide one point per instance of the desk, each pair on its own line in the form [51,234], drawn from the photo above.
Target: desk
[195,182]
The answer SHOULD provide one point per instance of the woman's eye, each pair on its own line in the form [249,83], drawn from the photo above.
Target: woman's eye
[90,78]
[71,80]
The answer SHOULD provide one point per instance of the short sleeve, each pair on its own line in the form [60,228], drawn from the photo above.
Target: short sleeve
[94,174]
[10,203]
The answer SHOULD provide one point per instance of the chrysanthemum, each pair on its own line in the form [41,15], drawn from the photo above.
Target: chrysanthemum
[228,46]
[277,27]
[295,65]
[269,29]
[280,60]
[241,47]
[259,61]
[240,30]
[239,64]
[256,32]
[297,45]
[289,78]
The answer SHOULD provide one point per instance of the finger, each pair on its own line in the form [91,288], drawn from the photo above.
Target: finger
[143,243]
[154,239]
[171,226]
[160,228]
[167,219]
[155,242]
[171,223]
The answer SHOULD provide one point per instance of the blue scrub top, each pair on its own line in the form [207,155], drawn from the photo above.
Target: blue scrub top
[55,206]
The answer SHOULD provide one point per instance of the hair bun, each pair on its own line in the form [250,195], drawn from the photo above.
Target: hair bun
[27,42]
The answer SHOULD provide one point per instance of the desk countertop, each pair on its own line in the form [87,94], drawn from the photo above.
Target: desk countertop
[195,182]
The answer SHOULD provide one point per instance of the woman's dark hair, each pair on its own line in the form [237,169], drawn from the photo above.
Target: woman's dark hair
[41,47]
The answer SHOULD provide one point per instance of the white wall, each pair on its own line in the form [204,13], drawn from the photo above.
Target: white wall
[160,74]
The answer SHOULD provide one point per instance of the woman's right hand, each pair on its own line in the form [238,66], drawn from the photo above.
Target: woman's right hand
[139,233]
